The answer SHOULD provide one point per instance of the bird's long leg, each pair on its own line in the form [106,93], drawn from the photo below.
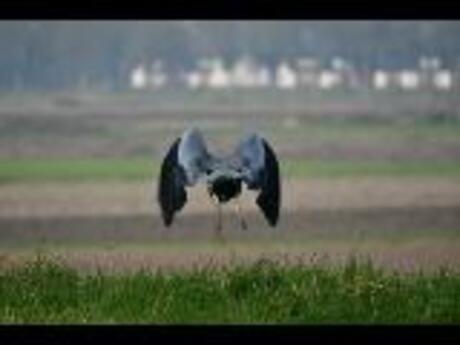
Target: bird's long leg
[219,220]
[243,223]
[218,224]
[218,230]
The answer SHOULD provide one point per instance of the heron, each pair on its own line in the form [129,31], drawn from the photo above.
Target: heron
[253,164]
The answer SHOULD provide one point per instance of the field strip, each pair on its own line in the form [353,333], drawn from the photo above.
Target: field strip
[408,256]
[127,198]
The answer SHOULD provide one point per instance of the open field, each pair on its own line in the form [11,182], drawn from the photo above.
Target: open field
[363,176]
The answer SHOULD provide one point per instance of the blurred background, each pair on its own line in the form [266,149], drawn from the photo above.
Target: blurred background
[364,116]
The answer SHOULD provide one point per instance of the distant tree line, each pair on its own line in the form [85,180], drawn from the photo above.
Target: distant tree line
[72,54]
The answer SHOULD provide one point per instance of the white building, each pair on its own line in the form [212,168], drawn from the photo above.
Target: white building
[286,77]
[433,75]
[408,79]
[381,80]
[247,73]
[218,77]
[138,78]
[194,79]
[329,79]
[443,80]
[210,73]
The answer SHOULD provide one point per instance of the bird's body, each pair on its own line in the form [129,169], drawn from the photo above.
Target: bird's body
[225,189]
[188,162]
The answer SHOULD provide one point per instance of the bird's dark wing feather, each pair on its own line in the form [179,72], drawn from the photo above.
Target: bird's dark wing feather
[171,188]
[184,165]
[261,172]
[270,195]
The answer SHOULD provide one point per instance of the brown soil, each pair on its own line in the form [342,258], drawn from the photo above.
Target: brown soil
[299,195]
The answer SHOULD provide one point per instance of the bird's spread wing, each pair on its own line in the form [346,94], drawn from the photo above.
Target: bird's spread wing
[260,171]
[182,166]
[193,155]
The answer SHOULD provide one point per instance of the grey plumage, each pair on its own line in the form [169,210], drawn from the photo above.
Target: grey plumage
[189,162]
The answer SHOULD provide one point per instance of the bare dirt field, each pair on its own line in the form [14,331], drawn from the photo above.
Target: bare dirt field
[128,198]
[405,223]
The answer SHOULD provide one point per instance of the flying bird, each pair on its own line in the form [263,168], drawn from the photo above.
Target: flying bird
[188,162]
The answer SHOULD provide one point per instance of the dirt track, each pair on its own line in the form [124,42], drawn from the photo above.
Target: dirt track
[103,199]
[324,208]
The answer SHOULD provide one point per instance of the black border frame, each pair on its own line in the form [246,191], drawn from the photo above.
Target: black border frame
[207,9]
[169,10]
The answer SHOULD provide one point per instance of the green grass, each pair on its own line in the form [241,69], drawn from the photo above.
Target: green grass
[317,168]
[46,292]
[41,170]
[106,169]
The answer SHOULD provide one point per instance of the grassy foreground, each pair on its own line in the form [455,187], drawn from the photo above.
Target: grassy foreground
[101,169]
[46,292]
